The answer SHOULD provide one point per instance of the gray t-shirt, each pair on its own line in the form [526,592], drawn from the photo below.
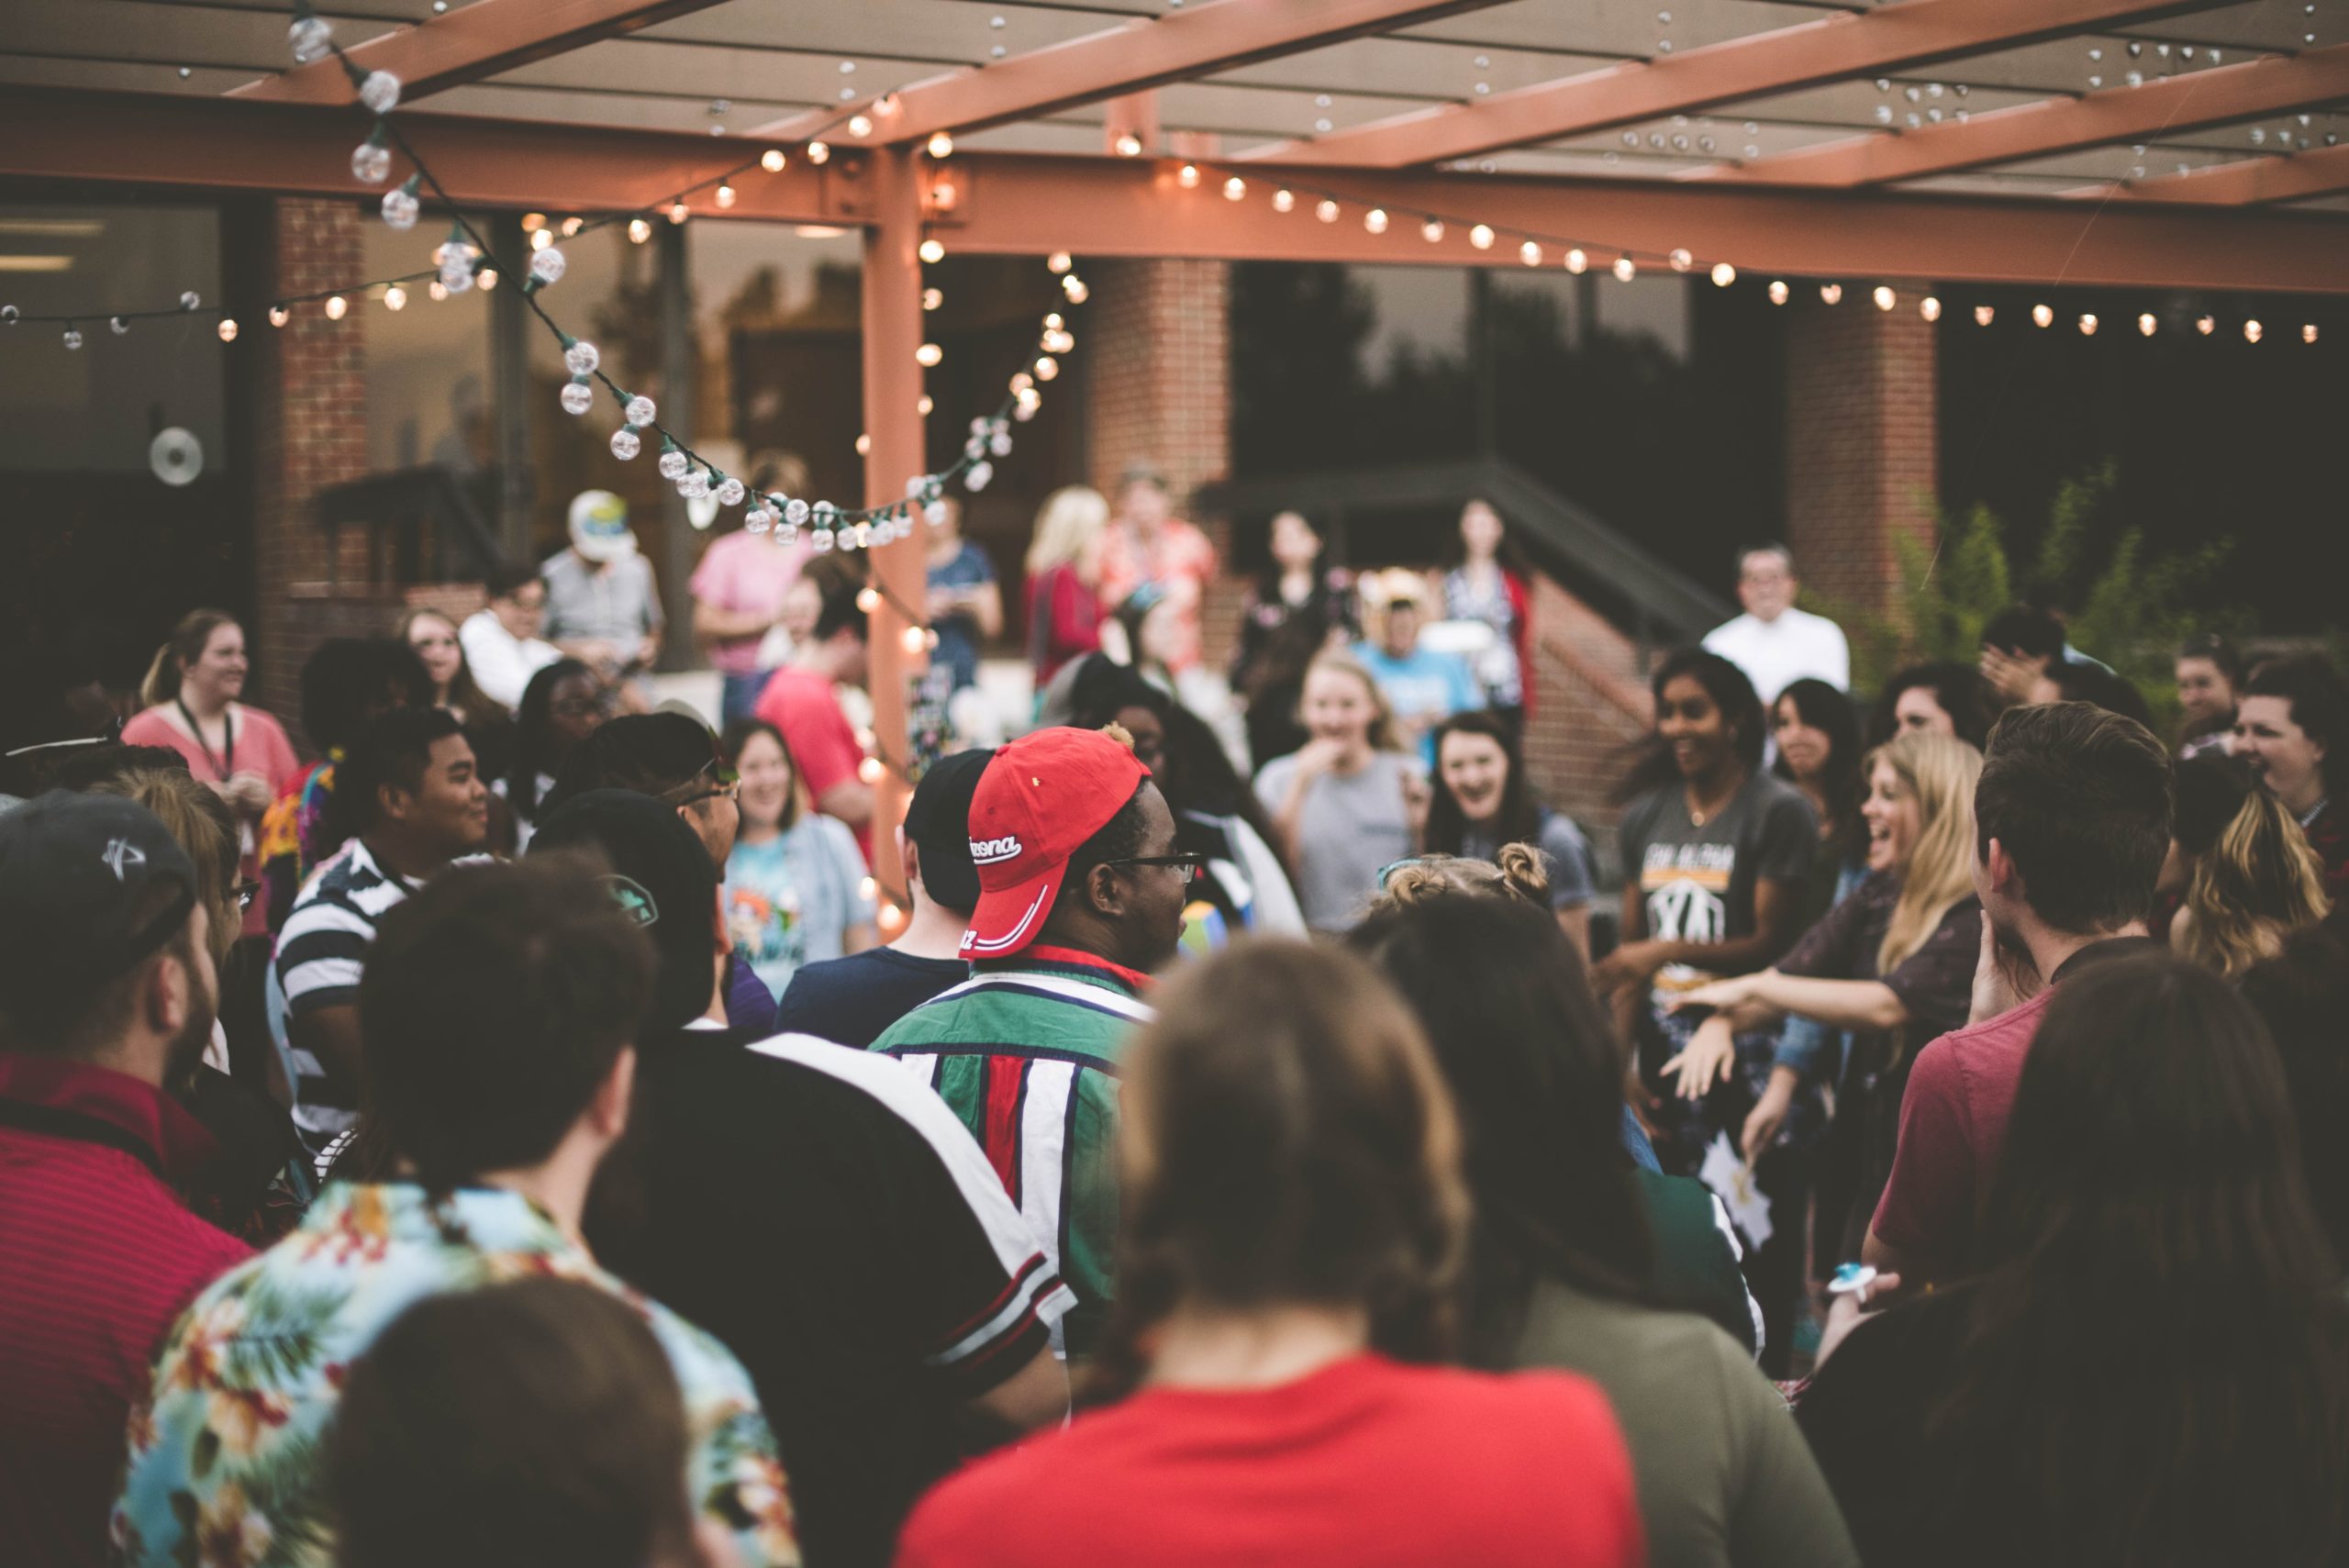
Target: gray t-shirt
[1564,851]
[1353,827]
[584,605]
[1698,881]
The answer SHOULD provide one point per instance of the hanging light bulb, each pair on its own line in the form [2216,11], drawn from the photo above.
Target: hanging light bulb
[279,315]
[1058,261]
[2042,315]
[1982,315]
[923,404]
[1235,189]
[771,160]
[400,206]
[2087,324]
[573,224]
[2206,325]
[1187,176]
[932,298]
[1577,262]
[676,212]
[859,125]
[940,145]
[1777,291]
[2307,332]
[372,161]
[396,298]
[2251,330]
[928,354]
[1326,210]
[639,231]
[1885,298]
[310,38]
[1284,201]
[1481,237]
[724,194]
[1681,260]
[1626,269]
[336,306]
[437,291]
[1929,308]
[380,91]
[487,278]
[1375,220]
[1432,230]
[931,251]
[672,464]
[820,153]
[1129,144]
[577,395]
[1530,253]
[228,329]
[639,411]
[1046,367]
[547,266]
[1723,274]
[1074,288]
[2146,325]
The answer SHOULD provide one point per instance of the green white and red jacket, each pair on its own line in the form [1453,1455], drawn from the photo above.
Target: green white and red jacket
[1026,1054]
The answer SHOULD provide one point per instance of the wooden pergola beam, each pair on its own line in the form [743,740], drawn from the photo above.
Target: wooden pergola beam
[2320,171]
[468,43]
[1896,37]
[2191,102]
[1023,205]
[1143,53]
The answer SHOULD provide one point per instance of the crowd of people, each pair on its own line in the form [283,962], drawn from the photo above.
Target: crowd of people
[516,1134]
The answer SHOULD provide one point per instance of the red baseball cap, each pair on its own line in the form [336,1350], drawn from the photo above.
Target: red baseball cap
[1041,798]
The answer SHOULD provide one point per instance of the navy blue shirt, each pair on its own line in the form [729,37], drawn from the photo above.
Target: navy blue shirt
[850,1001]
[750,1006]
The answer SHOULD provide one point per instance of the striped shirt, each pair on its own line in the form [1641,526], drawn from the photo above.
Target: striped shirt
[320,955]
[1025,1053]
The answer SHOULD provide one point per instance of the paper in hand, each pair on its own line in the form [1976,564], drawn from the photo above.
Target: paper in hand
[1726,1172]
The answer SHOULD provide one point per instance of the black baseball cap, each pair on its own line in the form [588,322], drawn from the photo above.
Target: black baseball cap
[938,824]
[78,880]
[662,878]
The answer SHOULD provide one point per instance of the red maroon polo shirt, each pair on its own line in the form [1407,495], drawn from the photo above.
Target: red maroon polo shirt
[99,1256]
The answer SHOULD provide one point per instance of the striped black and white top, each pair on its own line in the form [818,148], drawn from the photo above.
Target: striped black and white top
[320,955]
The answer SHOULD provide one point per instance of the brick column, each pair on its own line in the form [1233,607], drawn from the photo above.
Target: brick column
[309,433]
[1158,390]
[1862,451]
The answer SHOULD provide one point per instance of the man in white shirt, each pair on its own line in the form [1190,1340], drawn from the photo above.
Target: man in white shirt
[502,645]
[1775,643]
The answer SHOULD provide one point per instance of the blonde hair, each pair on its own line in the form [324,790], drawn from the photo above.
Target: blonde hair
[200,822]
[1940,772]
[1382,714]
[2258,881]
[1516,872]
[188,641]
[1066,524]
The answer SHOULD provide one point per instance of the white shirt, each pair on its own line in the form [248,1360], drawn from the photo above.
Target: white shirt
[502,662]
[1774,654]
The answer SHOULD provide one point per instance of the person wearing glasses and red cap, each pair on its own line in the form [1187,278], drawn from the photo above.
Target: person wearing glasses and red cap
[1081,895]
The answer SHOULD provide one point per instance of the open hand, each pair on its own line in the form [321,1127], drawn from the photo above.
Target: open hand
[1706,1061]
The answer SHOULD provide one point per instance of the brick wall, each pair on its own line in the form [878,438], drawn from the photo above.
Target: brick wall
[1590,705]
[1158,390]
[309,433]
[1862,448]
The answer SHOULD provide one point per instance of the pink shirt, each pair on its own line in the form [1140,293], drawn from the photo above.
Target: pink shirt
[745,572]
[261,747]
[1181,555]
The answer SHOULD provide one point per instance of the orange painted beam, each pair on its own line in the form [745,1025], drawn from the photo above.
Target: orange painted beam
[2320,172]
[893,426]
[2200,98]
[1895,37]
[1021,204]
[468,43]
[1196,41]
[1026,204]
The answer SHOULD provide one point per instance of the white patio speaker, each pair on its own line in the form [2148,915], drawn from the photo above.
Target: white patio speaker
[176,456]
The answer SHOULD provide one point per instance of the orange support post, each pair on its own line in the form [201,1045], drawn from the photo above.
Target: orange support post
[894,428]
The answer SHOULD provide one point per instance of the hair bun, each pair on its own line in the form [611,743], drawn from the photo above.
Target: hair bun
[1525,873]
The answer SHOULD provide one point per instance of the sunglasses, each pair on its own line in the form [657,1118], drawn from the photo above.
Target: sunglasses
[724,781]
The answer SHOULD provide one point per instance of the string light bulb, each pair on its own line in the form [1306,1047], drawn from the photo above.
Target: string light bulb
[1326,210]
[1074,288]
[912,641]
[725,195]
[859,125]
[1984,315]
[336,306]
[541,238]
[676,212]
[1375,220]
[940,145]
[1681,260]
[932,251]
[1058,261]
[1129,144]
[1187,176]
[1723,274]
[2087,324]
[1777,291]
[2146,325]
[928,354]
[820,153]
[932,298]
[2206,325]
[1577,261]
[868,600]
[1929,308]
[1235,189]
[1885,298]
[639,231]
[891,919]
[2252,331]
[2307,332]
[1432,230]
[487,278]
[396,298]
[1046,367]
[1284,201]
[279,315]
[228,329]
[1626,269]
[437,291]
[2042,315]
[1830,293]
[1481,237]
[771,160]
[1530,253]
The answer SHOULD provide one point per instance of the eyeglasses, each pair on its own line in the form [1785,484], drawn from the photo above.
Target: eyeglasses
[725,780]
[581,707]
[1192,864]
[246,892]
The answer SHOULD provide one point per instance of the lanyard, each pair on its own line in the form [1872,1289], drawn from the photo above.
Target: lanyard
[224,763]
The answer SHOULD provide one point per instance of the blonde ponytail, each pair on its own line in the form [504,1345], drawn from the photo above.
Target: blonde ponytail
[187,644]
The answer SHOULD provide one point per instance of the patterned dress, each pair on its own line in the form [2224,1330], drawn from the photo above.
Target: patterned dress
[226,1456]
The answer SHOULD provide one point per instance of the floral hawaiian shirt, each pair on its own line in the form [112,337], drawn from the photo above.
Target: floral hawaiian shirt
[226,1459]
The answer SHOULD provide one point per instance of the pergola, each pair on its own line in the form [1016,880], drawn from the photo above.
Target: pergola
[2182,144]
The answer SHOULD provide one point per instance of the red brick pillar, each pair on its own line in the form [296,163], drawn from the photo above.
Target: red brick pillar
[309,433]
[1158,389]
[1862,450]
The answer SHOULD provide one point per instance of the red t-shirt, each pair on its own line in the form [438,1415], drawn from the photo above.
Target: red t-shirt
[97,1258]
[802,704]
[1364,1463]
[1953,1123]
